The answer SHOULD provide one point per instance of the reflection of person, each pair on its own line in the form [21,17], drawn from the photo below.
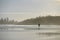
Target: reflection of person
[38,25]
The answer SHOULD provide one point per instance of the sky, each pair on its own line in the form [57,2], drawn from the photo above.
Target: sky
[25,9]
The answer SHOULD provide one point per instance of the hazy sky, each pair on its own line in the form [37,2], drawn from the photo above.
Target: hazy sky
[24,9]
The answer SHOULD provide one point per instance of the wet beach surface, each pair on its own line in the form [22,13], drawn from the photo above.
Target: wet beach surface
[29,32]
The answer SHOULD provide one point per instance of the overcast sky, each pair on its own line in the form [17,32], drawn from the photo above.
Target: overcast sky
[25,9]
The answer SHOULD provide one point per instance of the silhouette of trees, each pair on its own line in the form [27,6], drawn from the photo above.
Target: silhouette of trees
[7,21]
[42,20]
[33,21]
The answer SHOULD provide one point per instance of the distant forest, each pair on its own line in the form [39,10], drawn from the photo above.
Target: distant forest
[7,21]
[47,20]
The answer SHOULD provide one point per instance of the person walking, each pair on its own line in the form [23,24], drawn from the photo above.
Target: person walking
[39,25]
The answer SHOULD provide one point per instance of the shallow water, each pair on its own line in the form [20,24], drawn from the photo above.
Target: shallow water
[29,32]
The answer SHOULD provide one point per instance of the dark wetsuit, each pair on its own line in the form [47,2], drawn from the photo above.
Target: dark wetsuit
[38,25]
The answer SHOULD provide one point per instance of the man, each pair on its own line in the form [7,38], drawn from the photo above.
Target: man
[38,25]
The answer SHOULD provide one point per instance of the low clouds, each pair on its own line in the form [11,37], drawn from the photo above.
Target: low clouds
[29,5]
[57,5]
[33,7]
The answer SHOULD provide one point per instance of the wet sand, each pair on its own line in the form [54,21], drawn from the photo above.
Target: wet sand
[22,32]
[29,35]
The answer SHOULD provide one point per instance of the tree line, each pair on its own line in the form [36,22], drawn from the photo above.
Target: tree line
[33,21]
[7,21]
[49,20]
